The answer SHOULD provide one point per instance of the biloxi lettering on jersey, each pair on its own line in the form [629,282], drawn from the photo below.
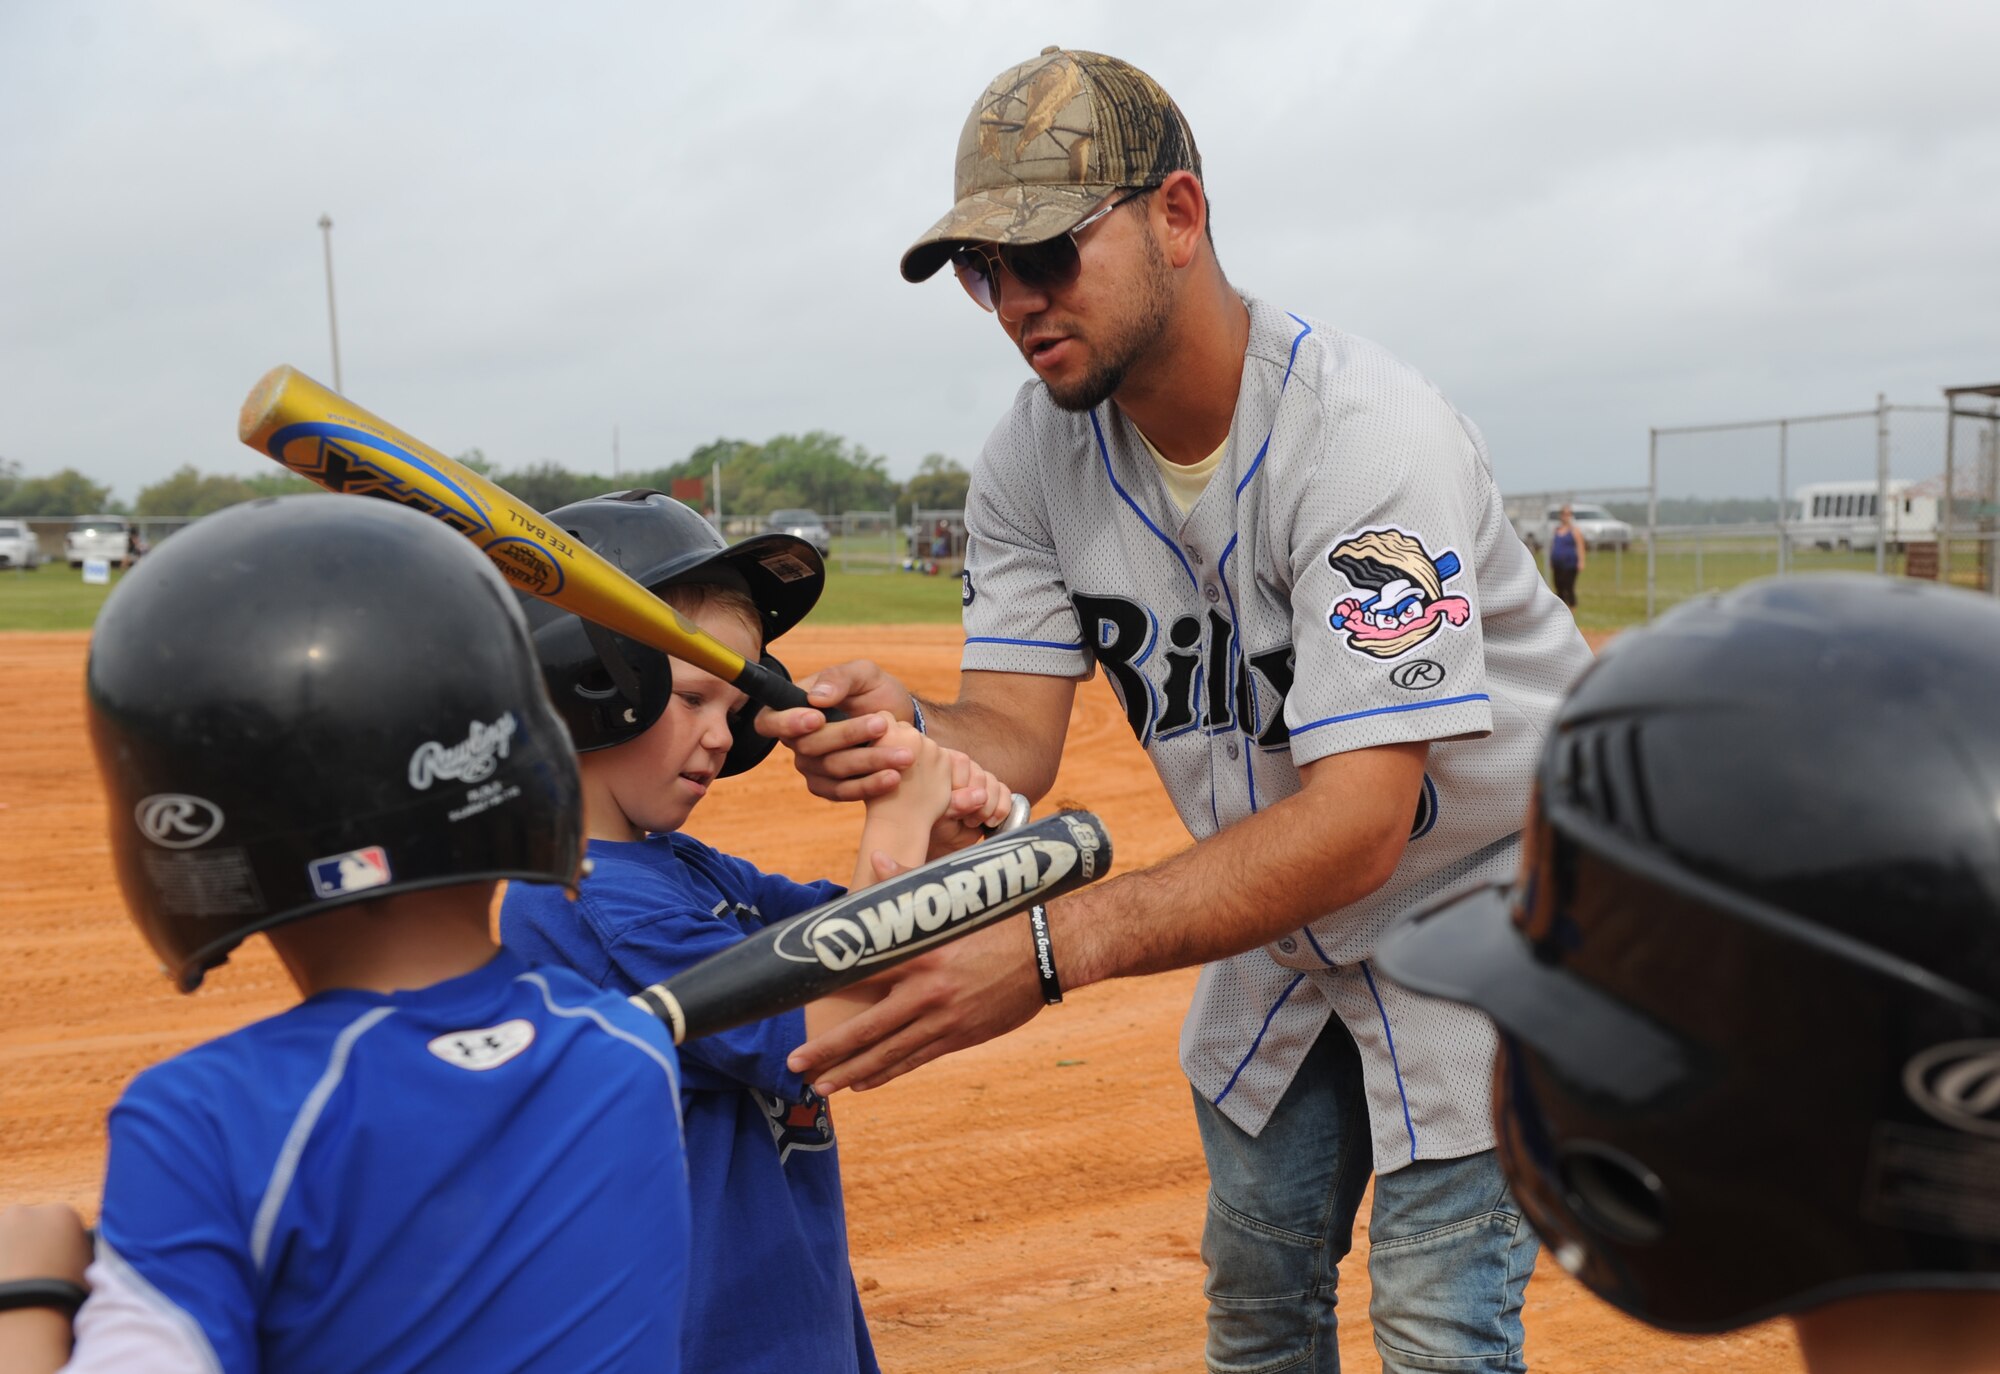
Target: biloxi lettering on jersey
[1123,635]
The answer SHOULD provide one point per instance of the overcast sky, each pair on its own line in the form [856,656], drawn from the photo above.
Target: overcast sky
[1580,219]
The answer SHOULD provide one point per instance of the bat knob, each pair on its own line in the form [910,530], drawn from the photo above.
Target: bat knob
[1017,815]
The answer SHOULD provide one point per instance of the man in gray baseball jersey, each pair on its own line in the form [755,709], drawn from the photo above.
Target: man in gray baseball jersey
[1285,551]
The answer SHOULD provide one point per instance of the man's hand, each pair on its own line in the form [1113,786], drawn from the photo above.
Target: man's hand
[845,760]
[853,760]
[963,994]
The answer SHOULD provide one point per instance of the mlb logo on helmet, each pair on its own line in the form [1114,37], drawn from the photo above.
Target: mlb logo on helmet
[355,871]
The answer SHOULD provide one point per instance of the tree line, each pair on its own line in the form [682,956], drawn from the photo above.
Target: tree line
[817,470]
[1696,511]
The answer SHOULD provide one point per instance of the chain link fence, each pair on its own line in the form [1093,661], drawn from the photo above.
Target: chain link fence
[1859,490]
[867,541]
[937,539]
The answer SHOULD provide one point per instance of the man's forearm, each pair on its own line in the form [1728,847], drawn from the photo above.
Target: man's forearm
[1241,888]
[979,731]
[1021,751]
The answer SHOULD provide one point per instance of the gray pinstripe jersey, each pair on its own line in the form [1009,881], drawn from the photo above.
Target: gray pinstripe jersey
[1347,579]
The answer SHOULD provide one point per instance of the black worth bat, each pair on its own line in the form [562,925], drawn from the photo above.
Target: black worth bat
[851,938]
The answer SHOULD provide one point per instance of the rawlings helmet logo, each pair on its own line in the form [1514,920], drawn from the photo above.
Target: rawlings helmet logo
[923,913]
[472,759]
[175,820]
[1959,1084]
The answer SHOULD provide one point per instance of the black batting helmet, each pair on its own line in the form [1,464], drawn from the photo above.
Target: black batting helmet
[610,689]
[306,702]
[1748,981]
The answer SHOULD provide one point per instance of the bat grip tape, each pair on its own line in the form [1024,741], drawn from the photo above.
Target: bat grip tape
[770,689]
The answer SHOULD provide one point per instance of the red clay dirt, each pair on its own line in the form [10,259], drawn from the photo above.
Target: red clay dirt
[1032,1204]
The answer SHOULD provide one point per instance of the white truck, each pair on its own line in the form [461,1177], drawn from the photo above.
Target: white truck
[1599,527]
[99,536]
[19,548]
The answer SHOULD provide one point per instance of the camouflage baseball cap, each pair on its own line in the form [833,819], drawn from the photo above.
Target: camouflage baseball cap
[1044,146]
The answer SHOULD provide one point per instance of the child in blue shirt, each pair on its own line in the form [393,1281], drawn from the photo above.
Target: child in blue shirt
[320,719]
[774,1289]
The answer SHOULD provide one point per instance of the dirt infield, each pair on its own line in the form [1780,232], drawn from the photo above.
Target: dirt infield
[1033,1204]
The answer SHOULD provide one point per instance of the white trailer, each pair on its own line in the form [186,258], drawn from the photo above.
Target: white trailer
[1842,515]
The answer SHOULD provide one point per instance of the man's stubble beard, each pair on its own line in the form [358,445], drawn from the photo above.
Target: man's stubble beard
[1129,345]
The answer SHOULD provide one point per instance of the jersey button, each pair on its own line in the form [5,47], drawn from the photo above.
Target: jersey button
[1231,749]
[1212,594]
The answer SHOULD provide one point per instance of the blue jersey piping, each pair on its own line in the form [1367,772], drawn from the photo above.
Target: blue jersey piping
[1105,452]
[1392,710]
[1023,643]
[1251,1053]
[1390,1036]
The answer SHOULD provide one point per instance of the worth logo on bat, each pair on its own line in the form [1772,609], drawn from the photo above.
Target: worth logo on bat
[924,913]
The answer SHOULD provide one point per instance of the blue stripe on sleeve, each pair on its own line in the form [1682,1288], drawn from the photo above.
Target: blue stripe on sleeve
[1392,710]
[1024,643]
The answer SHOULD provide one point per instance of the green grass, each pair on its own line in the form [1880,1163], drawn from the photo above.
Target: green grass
[888,598]
[52,597]
[1611,589]
[1610,592]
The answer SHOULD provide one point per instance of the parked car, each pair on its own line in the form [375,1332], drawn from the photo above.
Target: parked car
[1600,529]
[99,536]
[19,548]
[801,524]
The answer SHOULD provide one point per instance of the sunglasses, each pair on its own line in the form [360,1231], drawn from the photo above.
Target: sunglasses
[1045,266]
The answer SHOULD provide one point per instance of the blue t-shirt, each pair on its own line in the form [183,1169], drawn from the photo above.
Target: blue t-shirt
[483,1174]
[1562,549]
[775,1290]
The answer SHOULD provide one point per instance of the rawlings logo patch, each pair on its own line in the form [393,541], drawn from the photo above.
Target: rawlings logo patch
[1399,599]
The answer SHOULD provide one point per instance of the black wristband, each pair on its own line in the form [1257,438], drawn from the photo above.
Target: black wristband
[61,1294]
[1045,955]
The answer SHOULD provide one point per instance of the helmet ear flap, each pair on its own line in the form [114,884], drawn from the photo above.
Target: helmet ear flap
[750,748]
[641,689]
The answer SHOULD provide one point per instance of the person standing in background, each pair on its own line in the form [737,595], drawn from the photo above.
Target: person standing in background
[1567,551]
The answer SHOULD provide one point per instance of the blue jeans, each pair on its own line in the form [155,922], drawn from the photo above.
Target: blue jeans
[1449,1255]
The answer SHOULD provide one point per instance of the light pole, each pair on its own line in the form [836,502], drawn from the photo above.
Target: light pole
[332,322]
